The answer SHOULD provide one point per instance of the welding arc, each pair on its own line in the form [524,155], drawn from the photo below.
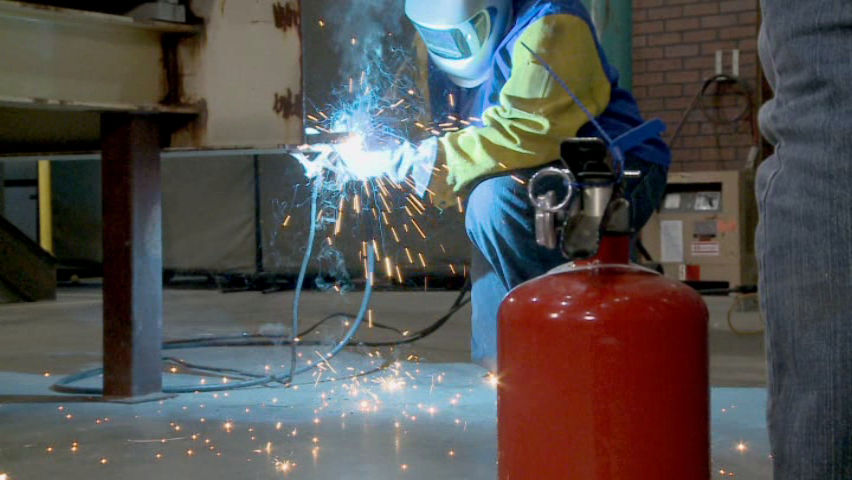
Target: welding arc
[64,384]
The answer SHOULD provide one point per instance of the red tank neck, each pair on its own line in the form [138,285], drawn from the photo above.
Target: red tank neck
[614,249]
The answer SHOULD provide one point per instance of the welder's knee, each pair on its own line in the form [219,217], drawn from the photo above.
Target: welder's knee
[491,208]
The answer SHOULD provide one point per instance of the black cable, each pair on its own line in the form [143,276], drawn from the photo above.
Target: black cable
[421,334]
[347,316]
[459,303]
[255,339]
[702,94]
[742,289]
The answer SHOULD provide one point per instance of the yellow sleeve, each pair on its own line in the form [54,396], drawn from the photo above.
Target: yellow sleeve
[535,113]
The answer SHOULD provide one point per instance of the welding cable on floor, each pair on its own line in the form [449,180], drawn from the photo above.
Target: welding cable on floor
[253,340]
[459,304]
[64,385]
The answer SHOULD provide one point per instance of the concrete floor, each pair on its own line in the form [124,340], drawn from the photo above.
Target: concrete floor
[429,416]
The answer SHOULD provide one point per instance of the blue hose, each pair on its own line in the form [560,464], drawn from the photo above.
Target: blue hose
[365,302]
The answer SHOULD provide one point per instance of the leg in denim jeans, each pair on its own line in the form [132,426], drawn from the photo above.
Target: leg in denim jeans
[805,236]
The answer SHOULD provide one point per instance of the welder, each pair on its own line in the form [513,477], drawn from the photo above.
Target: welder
[499,61]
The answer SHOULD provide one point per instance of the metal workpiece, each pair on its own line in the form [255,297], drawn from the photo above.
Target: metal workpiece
[77,80]
[246,69]
[56,57]
[63,67]
[231,79]
[74,80]
[162,10]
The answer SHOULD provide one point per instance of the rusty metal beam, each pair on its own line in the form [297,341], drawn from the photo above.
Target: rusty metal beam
[133,260]
[47,14]
[247,69]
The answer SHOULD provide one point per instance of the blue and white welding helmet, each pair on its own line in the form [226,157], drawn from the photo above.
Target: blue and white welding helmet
[461,35]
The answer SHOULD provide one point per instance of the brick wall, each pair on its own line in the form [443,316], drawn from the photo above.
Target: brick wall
[674,51]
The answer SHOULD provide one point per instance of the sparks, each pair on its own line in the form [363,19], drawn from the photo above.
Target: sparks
[340,211]
[376,250]
[325,360]
[420,230]
[388,267]
[284,467]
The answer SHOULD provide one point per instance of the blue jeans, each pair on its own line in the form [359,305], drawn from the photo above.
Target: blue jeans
[804,240]
[500,222]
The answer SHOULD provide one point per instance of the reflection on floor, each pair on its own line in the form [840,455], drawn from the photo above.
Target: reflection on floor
[426,415]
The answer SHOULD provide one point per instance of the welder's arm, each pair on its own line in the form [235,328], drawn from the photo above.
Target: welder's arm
[535,113]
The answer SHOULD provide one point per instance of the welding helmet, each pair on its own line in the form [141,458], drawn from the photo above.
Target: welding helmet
[461,35]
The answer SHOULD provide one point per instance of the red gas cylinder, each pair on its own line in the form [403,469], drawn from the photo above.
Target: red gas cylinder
[603,375]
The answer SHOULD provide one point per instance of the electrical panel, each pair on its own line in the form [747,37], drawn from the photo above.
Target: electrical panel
[703,233]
